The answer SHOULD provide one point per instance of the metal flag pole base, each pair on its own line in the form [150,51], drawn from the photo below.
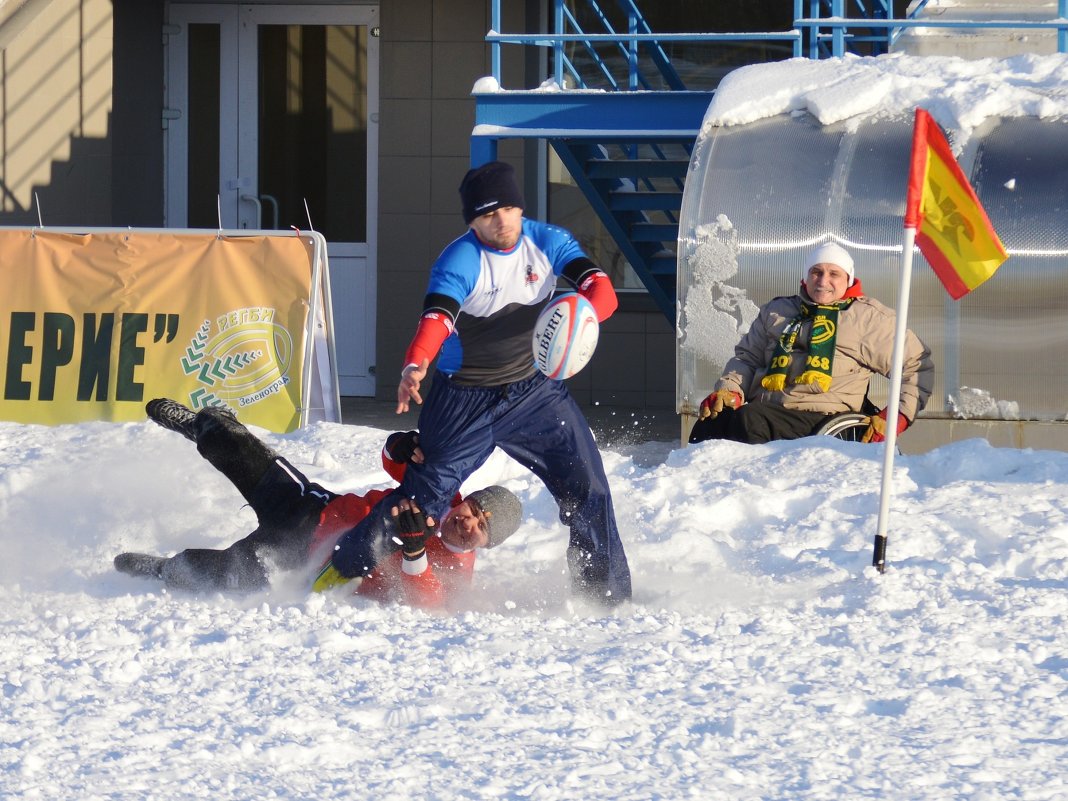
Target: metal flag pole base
[878,559]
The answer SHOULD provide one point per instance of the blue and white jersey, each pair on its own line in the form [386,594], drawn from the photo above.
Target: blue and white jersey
[494,298]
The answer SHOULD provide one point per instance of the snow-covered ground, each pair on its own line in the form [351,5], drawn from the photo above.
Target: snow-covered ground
[762,657]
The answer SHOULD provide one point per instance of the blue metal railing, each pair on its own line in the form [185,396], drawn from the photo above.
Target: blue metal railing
[638,39]
[835,30]
[820,29]
[563,63]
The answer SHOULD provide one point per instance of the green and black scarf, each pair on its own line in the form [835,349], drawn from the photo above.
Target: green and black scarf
[820,360]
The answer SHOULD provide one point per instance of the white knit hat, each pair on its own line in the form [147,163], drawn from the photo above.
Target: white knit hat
[831,253]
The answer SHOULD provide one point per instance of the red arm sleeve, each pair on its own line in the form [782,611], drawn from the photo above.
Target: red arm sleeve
[433,329]
[446,572]
[592,283]
[597,289]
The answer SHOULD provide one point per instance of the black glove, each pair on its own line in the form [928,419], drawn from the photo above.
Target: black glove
[412,531]
[400,445]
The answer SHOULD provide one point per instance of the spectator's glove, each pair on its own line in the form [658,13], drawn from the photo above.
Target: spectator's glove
[400,446]
[714,403]
[876,431]
[413,530]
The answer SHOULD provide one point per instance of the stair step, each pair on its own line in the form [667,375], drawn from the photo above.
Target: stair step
[637,168]
[654,232]
[645,201]
[666,264]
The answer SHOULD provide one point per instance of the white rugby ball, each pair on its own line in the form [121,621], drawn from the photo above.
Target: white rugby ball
[565,336]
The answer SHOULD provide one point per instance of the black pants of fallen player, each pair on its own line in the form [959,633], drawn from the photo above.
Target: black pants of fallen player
[756,423]
[286,503]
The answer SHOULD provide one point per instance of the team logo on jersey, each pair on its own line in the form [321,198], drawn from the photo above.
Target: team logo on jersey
[532,277]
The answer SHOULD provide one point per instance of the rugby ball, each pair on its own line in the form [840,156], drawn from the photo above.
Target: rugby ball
[565,336]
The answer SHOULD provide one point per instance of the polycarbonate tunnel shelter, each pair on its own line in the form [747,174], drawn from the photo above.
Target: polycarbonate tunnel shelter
[759,196]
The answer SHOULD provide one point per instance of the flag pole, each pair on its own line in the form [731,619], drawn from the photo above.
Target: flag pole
[960,271]
[879,555]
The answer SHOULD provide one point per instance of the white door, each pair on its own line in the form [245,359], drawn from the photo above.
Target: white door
[271,116]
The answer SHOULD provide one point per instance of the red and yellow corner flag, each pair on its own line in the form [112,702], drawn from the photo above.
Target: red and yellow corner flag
[952,229]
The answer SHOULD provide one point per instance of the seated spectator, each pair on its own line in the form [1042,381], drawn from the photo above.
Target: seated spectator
[811,355]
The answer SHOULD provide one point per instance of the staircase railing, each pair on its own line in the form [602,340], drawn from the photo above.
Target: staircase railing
[821,28]
[638,39]
[831,35]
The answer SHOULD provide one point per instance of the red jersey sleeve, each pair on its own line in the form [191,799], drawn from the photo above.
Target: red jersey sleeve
[452,567]
[341,514]
[423,591]
[433,329]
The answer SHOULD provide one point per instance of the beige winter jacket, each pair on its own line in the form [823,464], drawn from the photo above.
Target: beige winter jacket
[864,345]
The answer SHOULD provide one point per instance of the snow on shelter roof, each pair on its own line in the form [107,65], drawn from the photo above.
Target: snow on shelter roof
[959,93]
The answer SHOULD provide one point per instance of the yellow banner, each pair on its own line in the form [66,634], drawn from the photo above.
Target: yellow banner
[92,326]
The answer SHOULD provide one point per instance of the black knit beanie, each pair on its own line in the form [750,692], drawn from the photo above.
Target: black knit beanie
[502,509]
[491,186]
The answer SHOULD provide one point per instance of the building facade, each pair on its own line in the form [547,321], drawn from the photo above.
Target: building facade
[352,118]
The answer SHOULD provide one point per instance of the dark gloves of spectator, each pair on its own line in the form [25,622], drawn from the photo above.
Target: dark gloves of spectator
[402,445]
[876,431]
[714,403]
[413,529]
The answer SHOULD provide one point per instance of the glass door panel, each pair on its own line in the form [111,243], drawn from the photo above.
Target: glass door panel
[313,128]
[203,126]
[271,119]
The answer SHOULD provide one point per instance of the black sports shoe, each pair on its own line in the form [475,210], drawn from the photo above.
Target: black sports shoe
[172,415]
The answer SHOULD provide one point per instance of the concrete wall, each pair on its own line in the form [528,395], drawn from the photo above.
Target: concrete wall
[432,54]
[56,80]
[930,433]
[82,86]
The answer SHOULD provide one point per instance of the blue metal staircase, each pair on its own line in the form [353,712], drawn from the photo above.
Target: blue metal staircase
[627,151]
[626,126]
[637,197]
